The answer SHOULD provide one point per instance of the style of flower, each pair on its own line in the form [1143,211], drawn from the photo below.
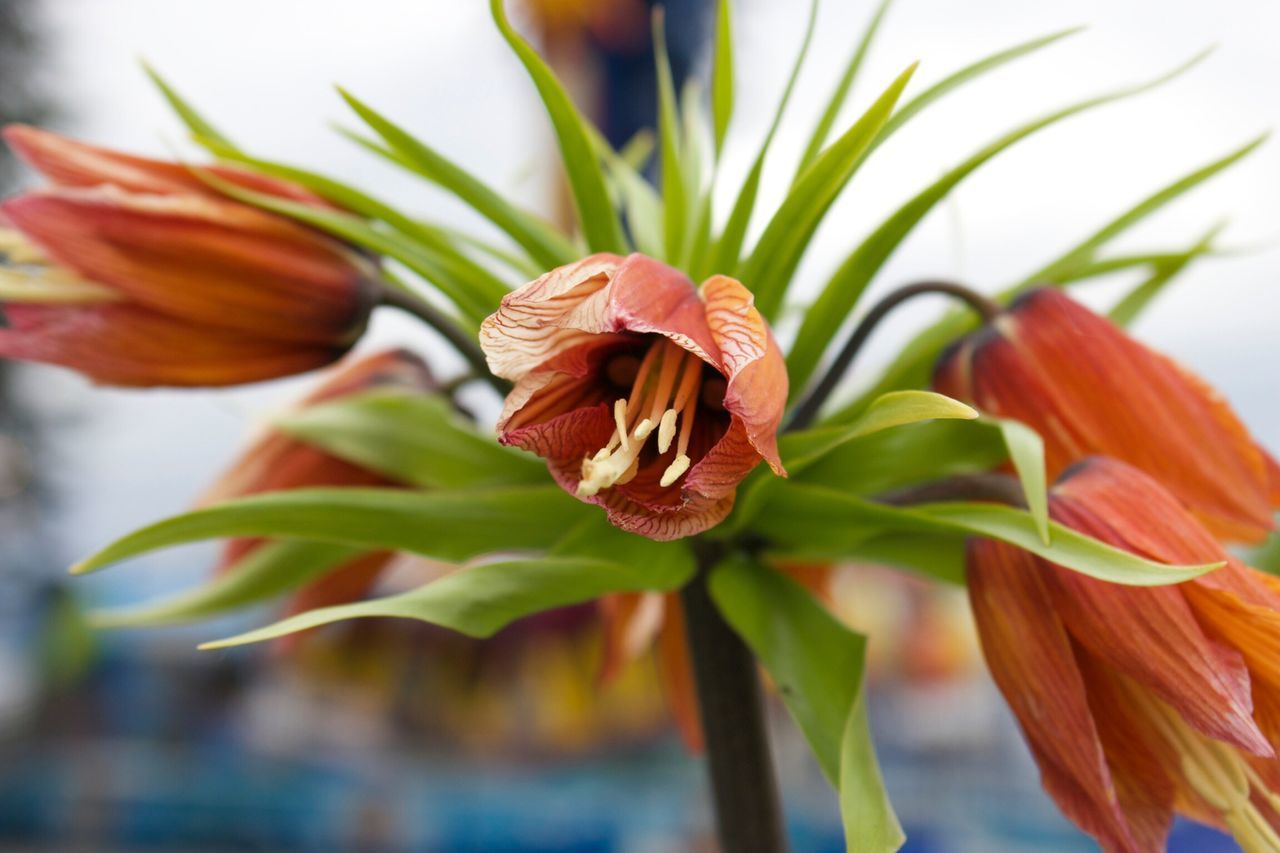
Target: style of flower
[276,462]
[135,272]
[646,396]
[1138,702]
[1088,388]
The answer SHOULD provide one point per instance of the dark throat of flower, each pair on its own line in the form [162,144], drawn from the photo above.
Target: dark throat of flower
[667,386]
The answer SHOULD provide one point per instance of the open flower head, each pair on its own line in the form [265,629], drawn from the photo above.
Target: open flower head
[646,395]
[134,272]
[1088,388]
[1138,702]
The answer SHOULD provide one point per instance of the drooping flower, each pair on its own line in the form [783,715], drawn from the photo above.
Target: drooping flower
[1138,702]
[135,273]
[1088,388]
[275,462]
[646,396]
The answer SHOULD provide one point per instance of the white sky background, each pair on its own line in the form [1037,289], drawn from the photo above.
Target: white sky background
[262,71]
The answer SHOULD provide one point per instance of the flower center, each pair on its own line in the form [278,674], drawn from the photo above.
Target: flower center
[665,393]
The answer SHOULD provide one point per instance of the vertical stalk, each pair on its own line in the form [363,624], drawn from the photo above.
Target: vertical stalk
[748,812]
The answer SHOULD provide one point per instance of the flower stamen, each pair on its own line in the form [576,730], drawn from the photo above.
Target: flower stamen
[665,392]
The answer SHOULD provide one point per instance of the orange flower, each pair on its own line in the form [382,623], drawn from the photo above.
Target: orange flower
[1138,702]
[1088,388]
[646,396]
[133,272]
[276,462]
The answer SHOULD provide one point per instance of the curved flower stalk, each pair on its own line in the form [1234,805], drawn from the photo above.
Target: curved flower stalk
[133,272]
[647,396]
[1138,703]
[1088,388]
[275,462]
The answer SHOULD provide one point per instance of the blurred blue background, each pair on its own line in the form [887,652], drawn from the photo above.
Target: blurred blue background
[133,740]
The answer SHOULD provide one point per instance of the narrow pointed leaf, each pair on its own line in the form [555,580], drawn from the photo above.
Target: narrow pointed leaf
[481,600]
[596,217]
[412,438]
[841,294]
[195,122]
[675,203]
[447,525]
[1137,299]
[722,87]
[267,571]
[729,245]
[870,825]
[540,239]
[769,270]
[805,520]
[1026,452]
[818,139]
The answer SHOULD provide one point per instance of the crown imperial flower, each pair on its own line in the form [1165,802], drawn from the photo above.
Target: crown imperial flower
[1088,388]
[134,272]
[1138,702]
[646,395]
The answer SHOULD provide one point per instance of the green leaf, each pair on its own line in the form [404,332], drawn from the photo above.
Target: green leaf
[482,599]
[1265,557]
[838,298]
[638,199]
[413,438]
[545,245]
[939,556]
[772,264]
[801,449]
[475,298]
[194,121]
[817,665]
[729,246]
[447,525]
[910,368]
[265,572]
[596,216]
[1134,302]
[722,74]
[870,826]
[818,138]
[675,203]
[805,520]
[1026,451]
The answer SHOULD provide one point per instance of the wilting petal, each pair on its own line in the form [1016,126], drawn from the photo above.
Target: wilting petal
[118,344]
[1032,661]
[224,266]
[70,163]
[1088,388]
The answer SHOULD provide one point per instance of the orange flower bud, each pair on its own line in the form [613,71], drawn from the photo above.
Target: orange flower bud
[134,273]
[1088,388]
[1138,702]
[646,396]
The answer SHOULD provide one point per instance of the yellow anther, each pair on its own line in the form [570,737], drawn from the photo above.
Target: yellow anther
[674,470]
[667,430]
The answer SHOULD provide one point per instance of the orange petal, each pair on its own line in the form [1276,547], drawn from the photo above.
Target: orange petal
[69,163]
[675,669]
[630,622]
[221,265]
[1033,663]
[1088,388]
[751,362]
[119,344]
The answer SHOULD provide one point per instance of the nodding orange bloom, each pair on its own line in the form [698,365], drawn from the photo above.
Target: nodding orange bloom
[134,272]
[276,462]
[1139,702]
[1088,388]
[646,396]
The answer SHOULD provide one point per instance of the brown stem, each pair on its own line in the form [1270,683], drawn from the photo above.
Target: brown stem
[808,409]
[444,325]
[748,810]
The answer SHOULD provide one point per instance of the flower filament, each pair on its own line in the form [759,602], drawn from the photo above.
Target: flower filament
[664,399]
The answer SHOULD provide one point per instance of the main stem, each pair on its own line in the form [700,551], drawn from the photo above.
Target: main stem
[748,811]
[444,325]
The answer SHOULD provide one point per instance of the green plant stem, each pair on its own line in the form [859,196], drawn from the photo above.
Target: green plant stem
[748,810]
[809,407]
[449,330]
